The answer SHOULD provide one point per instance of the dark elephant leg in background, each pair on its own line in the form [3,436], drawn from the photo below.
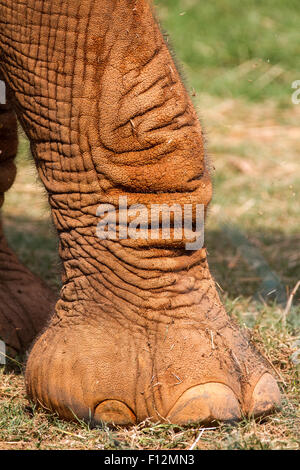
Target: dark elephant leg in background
[25,302]
[8,148]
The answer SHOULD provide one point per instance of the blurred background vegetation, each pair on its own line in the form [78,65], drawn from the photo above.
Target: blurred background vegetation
[237,48]
[240,59]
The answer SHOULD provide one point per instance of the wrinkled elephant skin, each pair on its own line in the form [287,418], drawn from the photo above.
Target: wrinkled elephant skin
[139,330]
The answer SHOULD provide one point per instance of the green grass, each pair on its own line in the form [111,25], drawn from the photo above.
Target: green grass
[236,48]
[253,143]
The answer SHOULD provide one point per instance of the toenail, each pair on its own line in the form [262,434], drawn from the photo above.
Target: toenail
[206,403]
[265,397]
[114,412]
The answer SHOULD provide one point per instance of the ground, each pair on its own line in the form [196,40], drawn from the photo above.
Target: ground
[252,231]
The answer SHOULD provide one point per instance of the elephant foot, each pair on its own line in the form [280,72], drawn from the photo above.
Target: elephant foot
[25,302]
[122,365]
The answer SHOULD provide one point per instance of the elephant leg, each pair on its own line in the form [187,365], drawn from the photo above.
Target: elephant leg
[25,302]
[139,330]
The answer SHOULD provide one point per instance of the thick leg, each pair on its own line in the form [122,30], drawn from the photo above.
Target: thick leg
[25,302]
[139,330]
